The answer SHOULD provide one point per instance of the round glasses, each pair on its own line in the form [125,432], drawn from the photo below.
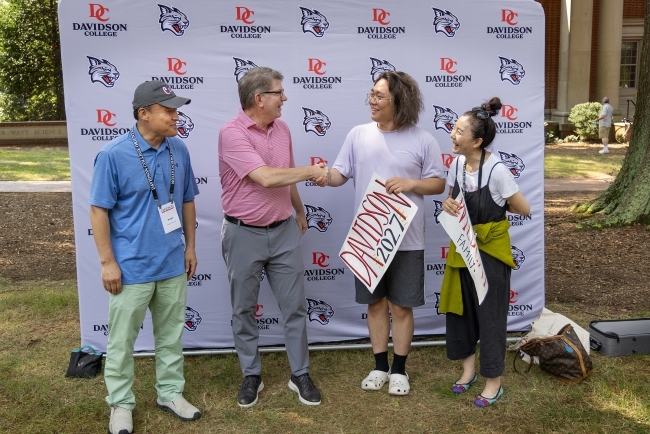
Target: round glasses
[372,98]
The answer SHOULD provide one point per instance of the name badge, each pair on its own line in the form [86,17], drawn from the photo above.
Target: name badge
[169,217]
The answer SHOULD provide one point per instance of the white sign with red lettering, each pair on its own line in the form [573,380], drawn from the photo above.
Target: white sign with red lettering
[376,233]
[459,228]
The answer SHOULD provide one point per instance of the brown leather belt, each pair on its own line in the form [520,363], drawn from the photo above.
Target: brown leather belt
[235,221]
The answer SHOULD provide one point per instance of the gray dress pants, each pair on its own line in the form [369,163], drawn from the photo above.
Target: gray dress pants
[246,250]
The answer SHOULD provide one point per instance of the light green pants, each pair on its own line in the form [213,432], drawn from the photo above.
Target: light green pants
[126,310]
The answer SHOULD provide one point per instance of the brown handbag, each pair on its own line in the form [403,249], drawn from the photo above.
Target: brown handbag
[562,356]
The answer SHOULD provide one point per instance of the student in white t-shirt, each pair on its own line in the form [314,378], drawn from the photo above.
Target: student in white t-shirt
[489,189]
[409,159]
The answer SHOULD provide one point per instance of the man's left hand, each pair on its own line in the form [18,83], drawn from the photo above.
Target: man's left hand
[399,185]
[190,262]
[301,220]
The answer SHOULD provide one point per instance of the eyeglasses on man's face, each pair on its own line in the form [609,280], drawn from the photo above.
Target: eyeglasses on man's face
[372,98]
[279,93]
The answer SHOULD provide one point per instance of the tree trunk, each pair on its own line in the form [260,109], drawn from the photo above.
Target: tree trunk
[627,200]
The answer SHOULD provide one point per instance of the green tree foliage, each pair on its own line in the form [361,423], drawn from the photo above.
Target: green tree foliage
[582,117]
[31,80]
[627,200]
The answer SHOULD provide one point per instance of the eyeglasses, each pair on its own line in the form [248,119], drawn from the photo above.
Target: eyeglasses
[279,93]
[372,98]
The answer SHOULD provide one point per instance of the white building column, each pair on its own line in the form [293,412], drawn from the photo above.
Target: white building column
[575,56]
[608,63]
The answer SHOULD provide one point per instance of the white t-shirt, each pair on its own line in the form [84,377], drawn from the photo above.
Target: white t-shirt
[607,111]
[502,183]
[409,152]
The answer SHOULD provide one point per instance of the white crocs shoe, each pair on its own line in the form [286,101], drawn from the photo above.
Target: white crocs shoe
[180,408]
[375,380]
[121,421]
[399,384]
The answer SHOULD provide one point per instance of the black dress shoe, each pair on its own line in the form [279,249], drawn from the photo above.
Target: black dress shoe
[250,388]
[304,387]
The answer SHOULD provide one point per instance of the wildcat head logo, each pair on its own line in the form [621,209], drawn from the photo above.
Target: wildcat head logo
[102,71]
[445,22]
[318,218]
[319,311]
[437,210]
[316,121]
[445,118]
[172,20]
[438,303]
[242,67]
[184,125]
[517,256]
[514,164]
[511,70]
[192,319]
[380,66]
[313,22]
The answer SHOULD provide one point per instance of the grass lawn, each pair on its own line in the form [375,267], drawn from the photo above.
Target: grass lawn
[39,326]
[53,163]
[34,163]
[560,166]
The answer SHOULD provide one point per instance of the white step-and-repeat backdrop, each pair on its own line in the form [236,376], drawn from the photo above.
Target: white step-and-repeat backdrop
[460,52]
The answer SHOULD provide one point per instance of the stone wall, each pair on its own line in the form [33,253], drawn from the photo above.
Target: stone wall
[50,133]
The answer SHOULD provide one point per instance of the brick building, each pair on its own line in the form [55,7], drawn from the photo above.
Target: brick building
[593,49]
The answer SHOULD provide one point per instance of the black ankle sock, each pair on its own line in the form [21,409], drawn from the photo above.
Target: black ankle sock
[399,363]
[381,361]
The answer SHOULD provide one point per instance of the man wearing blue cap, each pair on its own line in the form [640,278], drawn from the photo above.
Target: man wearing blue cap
[141,180]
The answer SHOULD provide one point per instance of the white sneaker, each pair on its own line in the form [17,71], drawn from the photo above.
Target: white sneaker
[121,421]
[375,380]
[180,408]
[604,151]
[399,384]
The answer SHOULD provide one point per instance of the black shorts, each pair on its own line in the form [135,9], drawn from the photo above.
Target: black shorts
[402,284]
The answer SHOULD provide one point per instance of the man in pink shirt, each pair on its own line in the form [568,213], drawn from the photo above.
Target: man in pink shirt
[258,178]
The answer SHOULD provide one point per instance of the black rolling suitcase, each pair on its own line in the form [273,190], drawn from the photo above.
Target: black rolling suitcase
[620,337]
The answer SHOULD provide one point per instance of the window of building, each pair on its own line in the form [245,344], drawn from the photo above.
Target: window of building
[629,50]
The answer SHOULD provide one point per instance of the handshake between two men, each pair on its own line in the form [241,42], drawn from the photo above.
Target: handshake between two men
[324,176]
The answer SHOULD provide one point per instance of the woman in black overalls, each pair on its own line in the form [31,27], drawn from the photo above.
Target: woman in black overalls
[489,190]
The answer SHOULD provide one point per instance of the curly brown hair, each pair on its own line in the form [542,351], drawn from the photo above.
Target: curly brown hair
[406,97]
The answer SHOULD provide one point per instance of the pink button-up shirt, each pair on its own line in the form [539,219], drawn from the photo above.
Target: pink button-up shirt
[243,147]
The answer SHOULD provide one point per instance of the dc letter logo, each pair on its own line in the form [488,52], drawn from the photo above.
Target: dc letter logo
[507,16]
[176,65]
[105,117]
[244,14]
[380,15]
[97,11]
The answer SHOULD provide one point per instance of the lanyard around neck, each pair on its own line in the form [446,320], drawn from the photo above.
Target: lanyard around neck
[148,174]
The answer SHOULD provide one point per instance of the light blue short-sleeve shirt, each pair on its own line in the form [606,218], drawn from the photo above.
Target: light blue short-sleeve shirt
[141,248]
